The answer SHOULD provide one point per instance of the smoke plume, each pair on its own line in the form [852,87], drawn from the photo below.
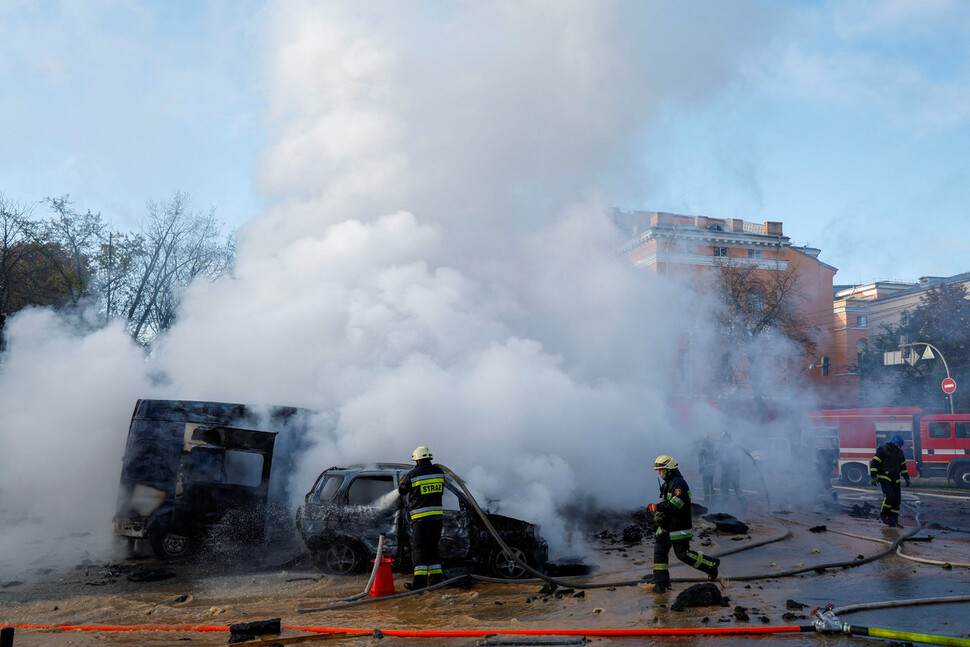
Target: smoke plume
[437,267]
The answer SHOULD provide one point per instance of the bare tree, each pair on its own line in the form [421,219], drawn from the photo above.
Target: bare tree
[758,301]
[69,241]
[177,246]
[15,233]
[115,263]
[753,305]
[32,271]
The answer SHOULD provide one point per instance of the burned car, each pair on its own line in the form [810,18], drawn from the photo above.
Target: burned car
[190,466]
[348,508]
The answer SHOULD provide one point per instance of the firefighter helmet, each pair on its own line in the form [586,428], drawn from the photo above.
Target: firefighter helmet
[420,453]
[897,440]
[665,462]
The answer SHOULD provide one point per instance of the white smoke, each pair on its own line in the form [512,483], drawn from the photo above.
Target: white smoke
[437,267]
[66,398]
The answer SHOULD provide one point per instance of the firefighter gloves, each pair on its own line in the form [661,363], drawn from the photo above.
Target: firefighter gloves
[874,481]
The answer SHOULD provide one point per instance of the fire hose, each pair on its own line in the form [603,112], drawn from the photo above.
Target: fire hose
[370,582]
[897,546]
[826,621]
[539,576]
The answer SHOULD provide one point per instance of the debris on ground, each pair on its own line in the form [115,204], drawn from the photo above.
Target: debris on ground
[632,535]
[862,511]
[246,631]
[151,575]
[726,523]
[699,595]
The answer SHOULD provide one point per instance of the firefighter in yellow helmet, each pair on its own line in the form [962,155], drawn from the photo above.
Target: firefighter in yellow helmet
[673,521]
[424,486]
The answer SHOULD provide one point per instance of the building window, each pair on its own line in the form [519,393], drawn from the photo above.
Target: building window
[715,227]
[861,321]
[757,301]
[755,253]
[939,430]
[720,251]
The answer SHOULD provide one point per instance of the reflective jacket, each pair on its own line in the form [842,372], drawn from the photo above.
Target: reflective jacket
[888,463]
[423,486]
[706,459]
[675,506]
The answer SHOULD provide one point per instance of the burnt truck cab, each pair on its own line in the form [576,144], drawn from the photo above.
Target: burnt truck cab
[189,466]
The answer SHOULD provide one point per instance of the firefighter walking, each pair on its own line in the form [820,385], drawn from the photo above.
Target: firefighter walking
[672,517]
[424,486]
[885,468]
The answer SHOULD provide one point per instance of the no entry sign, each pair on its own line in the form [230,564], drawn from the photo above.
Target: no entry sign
[949,385]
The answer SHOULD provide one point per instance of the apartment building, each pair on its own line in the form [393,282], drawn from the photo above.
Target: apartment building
[693,247]
[871,308]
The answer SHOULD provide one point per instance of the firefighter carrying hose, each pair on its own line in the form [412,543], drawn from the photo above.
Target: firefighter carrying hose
[673,520]
[885,468]
[424,486]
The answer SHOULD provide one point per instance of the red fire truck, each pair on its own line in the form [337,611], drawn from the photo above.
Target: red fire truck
[937,444]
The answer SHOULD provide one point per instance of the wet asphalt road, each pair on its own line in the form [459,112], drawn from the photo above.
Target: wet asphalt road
[206,593]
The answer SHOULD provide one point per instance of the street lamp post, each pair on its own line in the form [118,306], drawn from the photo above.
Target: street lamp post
[949,396]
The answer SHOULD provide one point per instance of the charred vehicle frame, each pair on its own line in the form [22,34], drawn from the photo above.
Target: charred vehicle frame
[348,508]
[190,466]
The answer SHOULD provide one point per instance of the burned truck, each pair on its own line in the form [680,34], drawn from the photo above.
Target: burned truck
[191,467]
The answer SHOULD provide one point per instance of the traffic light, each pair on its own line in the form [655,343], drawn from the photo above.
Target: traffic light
[825,366]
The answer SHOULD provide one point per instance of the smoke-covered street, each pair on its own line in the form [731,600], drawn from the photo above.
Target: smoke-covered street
[217,589]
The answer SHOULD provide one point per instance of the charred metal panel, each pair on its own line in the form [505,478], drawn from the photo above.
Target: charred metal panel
[189,464]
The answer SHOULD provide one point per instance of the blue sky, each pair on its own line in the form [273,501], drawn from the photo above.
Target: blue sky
[847,121]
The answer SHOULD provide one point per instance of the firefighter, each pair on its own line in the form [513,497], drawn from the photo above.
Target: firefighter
[885,468]
[707,464]
[424,486]
[730,461]
[673,521]
[826,460]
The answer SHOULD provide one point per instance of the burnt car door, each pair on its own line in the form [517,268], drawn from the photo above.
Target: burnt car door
[372,502]
[455,543]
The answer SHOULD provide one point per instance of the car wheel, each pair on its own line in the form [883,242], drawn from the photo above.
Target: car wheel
[500,565]
[854,473]
[169,545]
[962,476]
[342,557]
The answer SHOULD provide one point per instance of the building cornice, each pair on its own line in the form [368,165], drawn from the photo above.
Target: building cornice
[711,237]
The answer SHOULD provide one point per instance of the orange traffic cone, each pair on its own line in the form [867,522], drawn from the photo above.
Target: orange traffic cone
[384,581]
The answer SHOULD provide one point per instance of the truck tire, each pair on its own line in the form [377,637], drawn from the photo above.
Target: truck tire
[855,473]
[169,545]
[961,474]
